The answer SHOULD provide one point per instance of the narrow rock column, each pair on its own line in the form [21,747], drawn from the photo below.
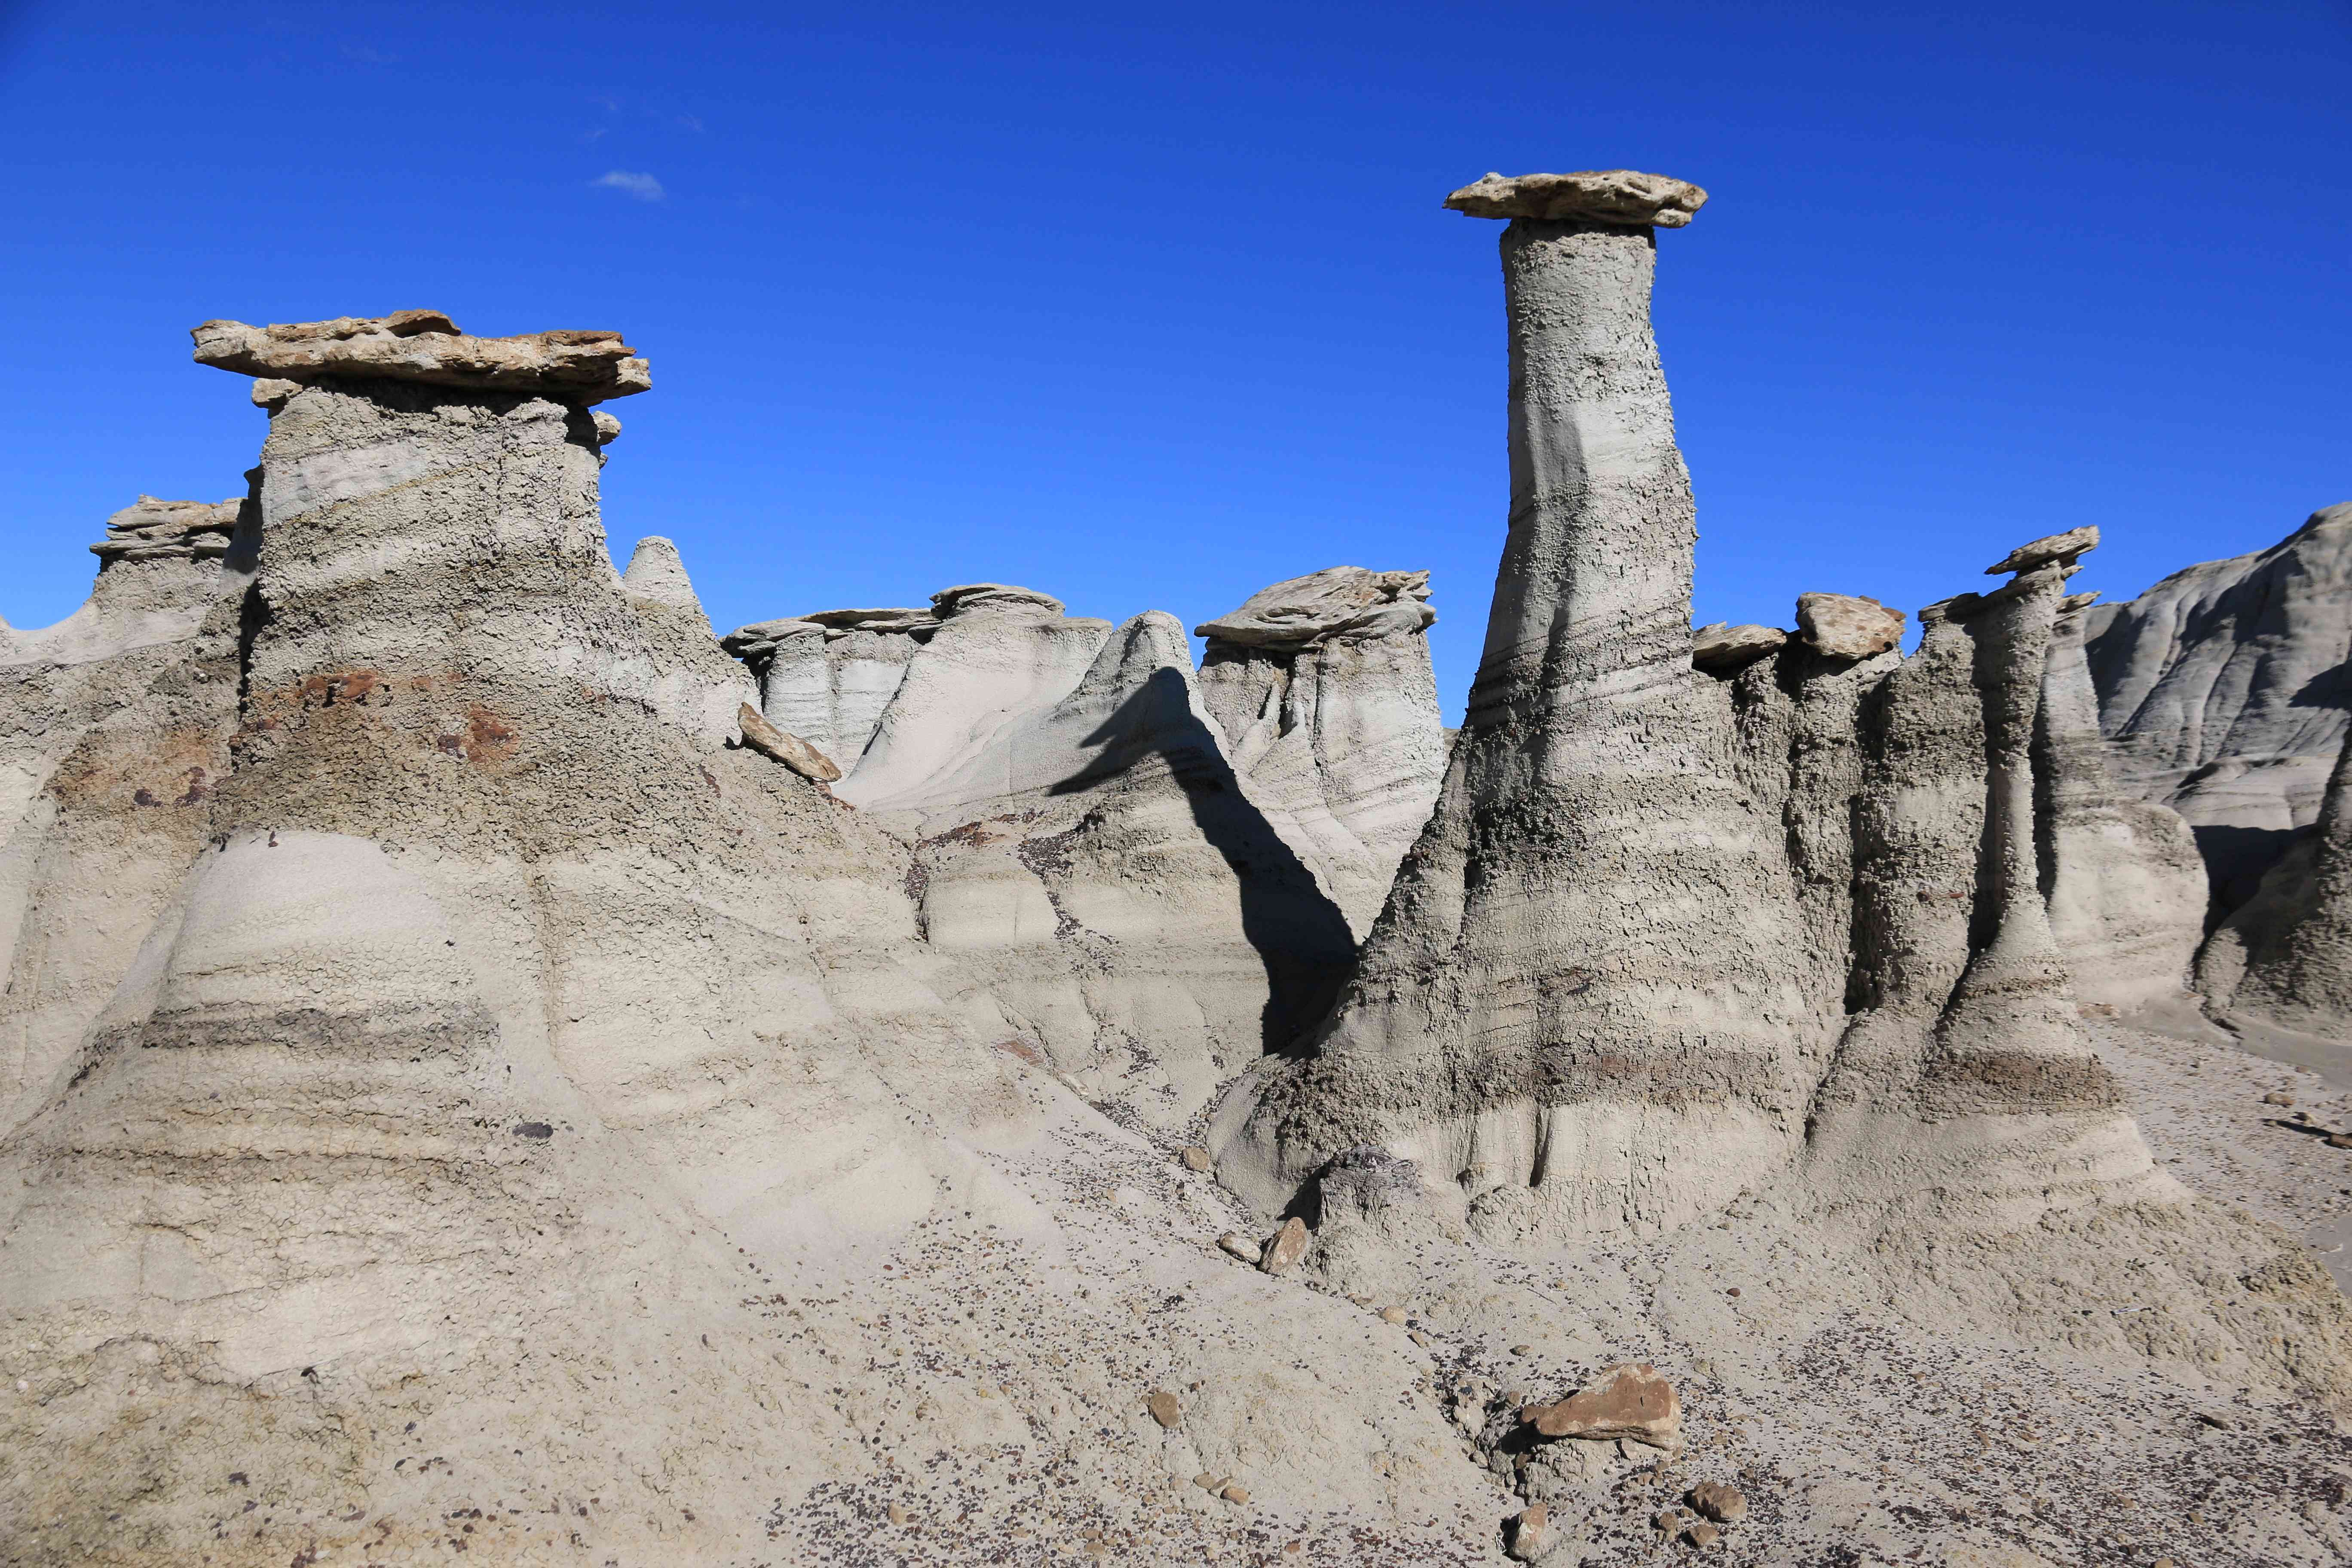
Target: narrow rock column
[2010,1037]
[1578,1004]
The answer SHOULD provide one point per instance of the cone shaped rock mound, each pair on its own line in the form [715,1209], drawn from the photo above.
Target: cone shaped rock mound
[488,1066]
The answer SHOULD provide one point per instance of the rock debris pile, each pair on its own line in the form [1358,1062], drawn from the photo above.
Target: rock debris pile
[488,1065]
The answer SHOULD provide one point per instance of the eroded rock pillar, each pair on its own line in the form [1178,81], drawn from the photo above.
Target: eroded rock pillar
[1578,1004]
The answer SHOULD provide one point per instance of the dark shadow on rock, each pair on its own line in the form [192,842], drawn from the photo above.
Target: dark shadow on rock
[2236,859]
[1298,931]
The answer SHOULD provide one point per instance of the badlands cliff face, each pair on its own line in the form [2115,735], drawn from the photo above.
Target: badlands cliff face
[2223,689]
[489,1072]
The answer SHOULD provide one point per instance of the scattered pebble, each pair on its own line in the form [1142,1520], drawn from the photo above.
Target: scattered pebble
[1236,1494]
[1719,1501]
[1392,1314]
[1239,1247]
[1702,1534]
[897,1513]
[2278,1097]
[1164,1408]
[1523,1349]
[1197,1159]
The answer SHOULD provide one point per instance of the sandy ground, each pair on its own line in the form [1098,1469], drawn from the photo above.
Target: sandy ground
[1857,1440]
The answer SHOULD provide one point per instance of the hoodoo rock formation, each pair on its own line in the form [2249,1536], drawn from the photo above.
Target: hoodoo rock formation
[1322,688]
[485,1071]
[1681,940]
[115,726]
[1553,1017]
[2286,955]
[497,1106]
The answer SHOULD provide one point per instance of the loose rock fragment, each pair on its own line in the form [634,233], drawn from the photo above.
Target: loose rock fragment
[1198,1160]
[1164,1408]
[2278,1097]
[1702,1534]
[1287,1245]
[1719,1501]
[1239,1247]
[1236,1494]
[790,750]
[1531,1534]
[1630,1402]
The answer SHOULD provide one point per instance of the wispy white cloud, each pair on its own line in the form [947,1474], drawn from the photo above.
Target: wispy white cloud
[690,122]
[369,57]
[644,187]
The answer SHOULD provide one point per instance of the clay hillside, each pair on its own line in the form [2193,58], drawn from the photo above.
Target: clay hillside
[494,1070]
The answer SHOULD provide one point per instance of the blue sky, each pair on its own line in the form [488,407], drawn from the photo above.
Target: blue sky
[1148,308]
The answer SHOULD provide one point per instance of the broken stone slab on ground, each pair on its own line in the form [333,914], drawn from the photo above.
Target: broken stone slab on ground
[1631,1402]
[1286,1246]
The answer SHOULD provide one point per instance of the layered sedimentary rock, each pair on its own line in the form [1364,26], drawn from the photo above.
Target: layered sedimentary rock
[2124,886]
[1554,1015]
[1110,894]
[501,1116]
[827,676]
[2223,690]
[1769,939]
[1322,688]
[114,731]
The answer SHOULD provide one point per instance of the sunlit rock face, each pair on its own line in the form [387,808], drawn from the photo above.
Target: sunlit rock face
[2223,690]
[1702,921]
[1322,688]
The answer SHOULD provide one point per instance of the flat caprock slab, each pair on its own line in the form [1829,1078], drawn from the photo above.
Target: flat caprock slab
[1624,197]
[577,366]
